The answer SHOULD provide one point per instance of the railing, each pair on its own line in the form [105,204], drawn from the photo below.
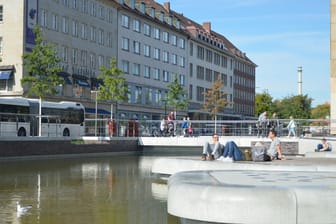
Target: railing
[147,128]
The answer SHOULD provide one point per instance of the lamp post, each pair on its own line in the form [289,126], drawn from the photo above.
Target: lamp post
[96,116]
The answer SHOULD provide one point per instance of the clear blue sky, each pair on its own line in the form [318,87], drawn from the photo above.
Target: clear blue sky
[278,35]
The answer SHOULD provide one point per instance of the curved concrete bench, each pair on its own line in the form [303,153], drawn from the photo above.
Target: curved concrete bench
[253,196]
[169,166]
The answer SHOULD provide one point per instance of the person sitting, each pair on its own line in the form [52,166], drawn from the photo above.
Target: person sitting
[274,151]
[212,151]
[231,152]
[324,146]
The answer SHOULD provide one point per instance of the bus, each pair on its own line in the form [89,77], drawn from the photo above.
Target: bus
[20,117]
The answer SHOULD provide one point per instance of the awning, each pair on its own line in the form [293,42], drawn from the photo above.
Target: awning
[99,111]
[5,74]
[82,82]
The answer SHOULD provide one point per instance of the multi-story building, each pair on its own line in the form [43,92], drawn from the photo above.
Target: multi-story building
[151,43]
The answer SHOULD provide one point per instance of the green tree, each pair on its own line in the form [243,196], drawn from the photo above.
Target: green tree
[42,66]
[114,87]
[321,111]
[263,102]
[176,97]
[298,106]
[215,100]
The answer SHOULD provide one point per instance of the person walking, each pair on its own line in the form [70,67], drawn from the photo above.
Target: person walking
[291,127]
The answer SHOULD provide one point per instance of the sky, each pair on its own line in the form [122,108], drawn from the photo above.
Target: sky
[278,36]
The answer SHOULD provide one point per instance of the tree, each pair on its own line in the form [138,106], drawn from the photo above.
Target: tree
[215,100]
[114,86]
[298,106]
[321,111]
[263,102]
[176,97]
[42,66]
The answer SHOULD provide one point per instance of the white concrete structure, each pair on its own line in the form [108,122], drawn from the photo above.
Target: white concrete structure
[253,197]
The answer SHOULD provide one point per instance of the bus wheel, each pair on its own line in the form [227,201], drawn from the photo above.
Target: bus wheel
[66,132]
[22,132]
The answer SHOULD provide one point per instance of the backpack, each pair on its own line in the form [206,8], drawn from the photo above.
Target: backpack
[259,153]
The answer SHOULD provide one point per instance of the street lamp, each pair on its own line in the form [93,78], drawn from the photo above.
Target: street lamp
[96,117]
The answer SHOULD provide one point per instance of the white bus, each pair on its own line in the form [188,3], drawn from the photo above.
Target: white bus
[19,117]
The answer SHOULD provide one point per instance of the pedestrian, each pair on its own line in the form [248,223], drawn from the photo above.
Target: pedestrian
[163,126]
[184,126]
[261,125]
[291,127]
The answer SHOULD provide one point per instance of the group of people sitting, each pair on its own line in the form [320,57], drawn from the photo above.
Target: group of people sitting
[217,151]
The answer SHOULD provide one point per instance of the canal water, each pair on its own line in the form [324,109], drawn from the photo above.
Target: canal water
[115,189]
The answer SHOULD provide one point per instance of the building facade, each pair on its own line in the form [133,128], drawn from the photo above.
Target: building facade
[332,66]
[150,42]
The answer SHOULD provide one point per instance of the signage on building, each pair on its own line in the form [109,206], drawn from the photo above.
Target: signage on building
[31,20]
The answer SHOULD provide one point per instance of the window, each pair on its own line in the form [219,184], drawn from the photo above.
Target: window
[74,4]
[224,61]
[136,69]
[138,94]
[165,76]
[208,75]
[101,12]
[182,43]
[101,37]
[136,47]
[125,21]
[208,55]
[84,31]
[147,50]
[64,55]
[125,44]
[93,34]
[147,29]
[74,56]
[92,60]
[217,59]
[174,40]
[147,71]
[200,52]
[165,57]
[157,33]
[1,13]
[190,92]
[65,25]
[100,60]
[93,9]
[54,22]
[66,3]
[109,39]
[110,16]
[83,57]
[182,80]
[191,70]
[44,16]
[136,25]
[74,28]
[156,74]
[200,72]
[191,49]
[125,66]
[84,6]
[174,59]
[156,53]
[165,37]
[199,93]
[182,61]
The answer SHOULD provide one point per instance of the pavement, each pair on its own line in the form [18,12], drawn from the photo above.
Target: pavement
[300,189]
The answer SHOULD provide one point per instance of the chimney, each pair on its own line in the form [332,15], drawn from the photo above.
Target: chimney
[207,26]
[166,5]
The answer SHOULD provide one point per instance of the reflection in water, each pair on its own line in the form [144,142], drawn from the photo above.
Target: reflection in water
[106,189]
